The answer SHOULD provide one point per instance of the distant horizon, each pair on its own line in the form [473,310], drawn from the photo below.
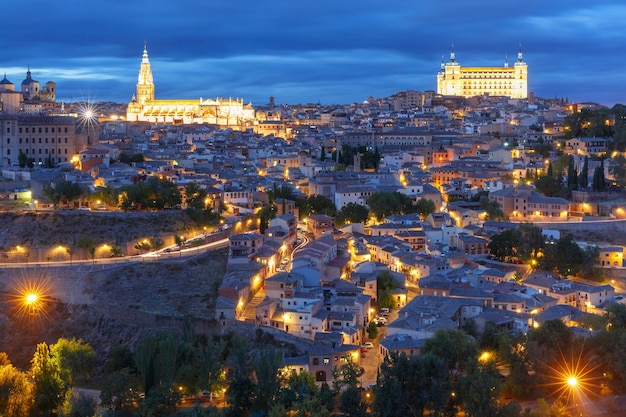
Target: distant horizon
[329,54]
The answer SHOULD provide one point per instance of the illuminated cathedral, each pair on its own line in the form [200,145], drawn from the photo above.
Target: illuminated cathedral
[454,80]
[225,113]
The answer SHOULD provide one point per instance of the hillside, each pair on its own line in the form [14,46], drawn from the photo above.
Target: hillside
[42,231]
[120,304]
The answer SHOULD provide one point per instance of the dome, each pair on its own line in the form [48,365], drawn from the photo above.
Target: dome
[28,80]
[4,81]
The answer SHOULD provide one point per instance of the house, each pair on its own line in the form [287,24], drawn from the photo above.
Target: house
[610,256]
[401,343]
[320,225]
[243,246]
[523,203]
[471,245]
[329,353]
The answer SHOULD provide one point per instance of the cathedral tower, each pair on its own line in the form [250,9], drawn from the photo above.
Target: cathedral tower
[145,84]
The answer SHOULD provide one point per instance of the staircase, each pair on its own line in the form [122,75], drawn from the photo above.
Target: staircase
[249,313]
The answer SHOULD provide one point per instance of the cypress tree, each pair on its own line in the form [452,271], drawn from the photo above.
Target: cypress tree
[583,177]
[572,175]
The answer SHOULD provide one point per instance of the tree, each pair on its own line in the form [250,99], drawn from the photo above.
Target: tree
[266,213]
[531,241]
[383,204]
[572,174]
[315,204]
[69,190]
[195,196]
[617,168]
[74,359]
[15,392]
[565,256]
[492,207]
[52,194]
[87,243]
[549,186]
[479,389]
[454,346]
[583,178]
[22,159]
[351,213]
[424,207]
[372,330]
[412,386]
[50,392]
[323,153]
[597,183]
[267,364]
[504,244]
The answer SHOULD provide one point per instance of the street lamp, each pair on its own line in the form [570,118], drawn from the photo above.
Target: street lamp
[572,383]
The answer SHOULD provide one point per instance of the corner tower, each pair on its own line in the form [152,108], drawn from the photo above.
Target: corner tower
[145,83]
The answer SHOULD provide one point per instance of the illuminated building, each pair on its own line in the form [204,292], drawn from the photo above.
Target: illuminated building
[225,113]
[454,80]
[54,139]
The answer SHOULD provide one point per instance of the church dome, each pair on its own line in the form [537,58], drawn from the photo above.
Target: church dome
[4,81]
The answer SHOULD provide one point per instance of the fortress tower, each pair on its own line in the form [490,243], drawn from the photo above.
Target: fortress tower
[454,80]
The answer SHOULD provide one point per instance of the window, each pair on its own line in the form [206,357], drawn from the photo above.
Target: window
[326,361]
[8,141]
[316,361]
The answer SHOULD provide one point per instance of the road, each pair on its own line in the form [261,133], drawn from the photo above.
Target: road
[100,263]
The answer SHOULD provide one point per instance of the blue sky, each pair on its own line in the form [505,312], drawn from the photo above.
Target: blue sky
[324,51]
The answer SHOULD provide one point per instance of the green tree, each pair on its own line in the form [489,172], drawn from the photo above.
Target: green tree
[597,183]
[266,213]
[572,174]
[492,207]
[565,256]
[323,153]
[417,385]
[106,195]
[583,178]
[267,364]
[195,196]
[424,207]
[70,191]
[504,244]
[617,168]
[385,284]
[74,358]
[50,392]
[15,392]
[531,242]
[351,213]
[479,389]
[315,204]
[454,346]
[549,186]
[383,204]
[372,330]
[52,194]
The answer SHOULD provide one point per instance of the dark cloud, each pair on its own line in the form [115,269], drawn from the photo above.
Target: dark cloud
[325,51]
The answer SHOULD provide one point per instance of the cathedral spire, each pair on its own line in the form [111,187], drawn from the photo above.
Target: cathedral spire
[452,55]
[519,54]
[145,59]
[506,60]
[443,63]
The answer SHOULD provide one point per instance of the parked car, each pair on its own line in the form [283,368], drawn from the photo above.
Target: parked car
[384,312]
[380,321]
[84,208]
[368,345]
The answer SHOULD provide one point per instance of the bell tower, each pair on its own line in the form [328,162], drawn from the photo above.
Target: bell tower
[145,84]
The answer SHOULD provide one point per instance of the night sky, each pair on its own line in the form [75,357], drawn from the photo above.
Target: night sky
[325,51]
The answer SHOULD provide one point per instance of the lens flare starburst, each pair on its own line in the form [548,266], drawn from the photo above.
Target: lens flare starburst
[88,116]
[30,298]
[573,379]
